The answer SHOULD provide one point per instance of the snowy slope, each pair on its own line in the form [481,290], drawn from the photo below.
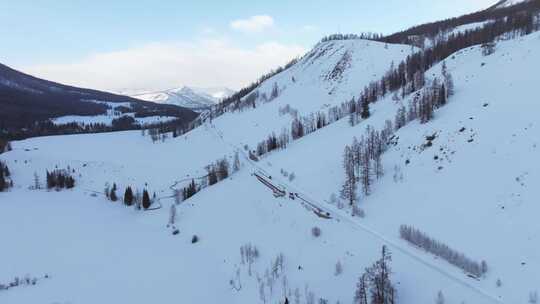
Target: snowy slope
[507,3]
[497,169]
[197,99]
[481,201]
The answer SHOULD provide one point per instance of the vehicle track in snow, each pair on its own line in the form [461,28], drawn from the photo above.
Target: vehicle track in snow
[359,226]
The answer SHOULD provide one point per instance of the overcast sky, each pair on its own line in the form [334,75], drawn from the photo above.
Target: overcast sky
[158,44]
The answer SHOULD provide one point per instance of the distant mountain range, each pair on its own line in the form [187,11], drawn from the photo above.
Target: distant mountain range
[26,100]
[196,99]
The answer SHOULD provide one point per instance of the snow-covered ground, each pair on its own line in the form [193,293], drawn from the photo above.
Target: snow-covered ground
[478,196]
[112,113]
[107,119]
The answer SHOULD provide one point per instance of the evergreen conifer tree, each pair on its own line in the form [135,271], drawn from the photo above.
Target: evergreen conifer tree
[146,200]
[112,195]
[128,196]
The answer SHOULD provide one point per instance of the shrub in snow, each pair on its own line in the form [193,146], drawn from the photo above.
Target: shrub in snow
[498,283]
[194,239]
[357,211]
[235,283]
[248,253]
[422,240]
[16,282]
[316,232]
[277,267]
[440,298]
[484,267]
[333,199]
[488,48]
[292,176]
[339,268]
[172,216]
[533,297]
[398,174]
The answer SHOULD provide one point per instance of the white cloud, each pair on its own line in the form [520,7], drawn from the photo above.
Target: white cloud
[253,24]
[165,65]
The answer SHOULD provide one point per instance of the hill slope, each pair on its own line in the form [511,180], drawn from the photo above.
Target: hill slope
[25,99]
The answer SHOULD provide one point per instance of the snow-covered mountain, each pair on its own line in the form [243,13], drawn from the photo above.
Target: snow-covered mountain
[508,3]
[26,101]
[466,177]
[194,98]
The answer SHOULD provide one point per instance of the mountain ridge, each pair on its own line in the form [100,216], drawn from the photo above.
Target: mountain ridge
[194,98]
[26,100]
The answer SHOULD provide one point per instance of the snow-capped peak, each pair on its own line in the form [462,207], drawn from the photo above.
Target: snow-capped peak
[194,98]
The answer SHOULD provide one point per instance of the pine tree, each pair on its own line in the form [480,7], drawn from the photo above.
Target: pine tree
[70,182]
[146,200]
[275,91]
[442,96]
[348,190]
[212,176]
[365,110]
[51,183]
[401,117]
[440,298]
[112,195]
[365,172]
[448,80]
[223,169]
[3,184]
[381,291]
[361,293]
[353,119]
[128,196]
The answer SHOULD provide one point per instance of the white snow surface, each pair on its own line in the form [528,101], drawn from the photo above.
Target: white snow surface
[482,202]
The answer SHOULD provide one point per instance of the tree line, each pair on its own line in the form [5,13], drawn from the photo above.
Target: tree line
[218,171]
[364,36]
[422,240]
[60,179]
[408,75]
[434,28]
[131,197]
